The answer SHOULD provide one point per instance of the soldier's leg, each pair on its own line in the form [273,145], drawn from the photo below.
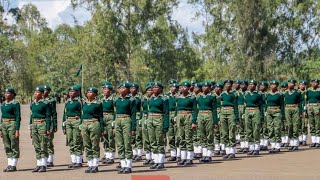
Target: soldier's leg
[256,131]
[43,144]
[152,140]
[6,143]
[216,132]
[77,142]
[181,123]
[146,142]
[317,126]
[244,145]
[177,140]
[111,141]
[311,119]
[138,138]
[172,140]
[277,129]
[15,151]
[271,133]
[296,128]
[264,141]
[87,144]
[189,141]
[232,135]
[95,132]
[50,149]
[224,138]
[105,141]
[127,142]
[289,125]
[202,136]
[249,131]
[36,145]
[159,134]
[119,138]
[71,142]
[209,137]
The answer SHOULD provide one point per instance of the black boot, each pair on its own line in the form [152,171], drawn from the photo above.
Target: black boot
[250,153]
[232,156]
[203,159]
[50,164]
[304,143]
[120,170]
[271,151]
[110,161]
[77,165]
[104,161]
[182,162]
[188,163]
[127,170]
[172,158]
[178,159]
[6,169]
[241,150]
[160,166]
[295,148]
[71,165]
[216,152]
[225,156]
[223,152]
[282,144]
[245,150]
[88,170]
[312,145]
[94,169]
[276,150]
[42,169]
[147,162]
[36,169]
[118,166]
[154,166]
[12,169]
[256,152]
[290,148]
[138,158]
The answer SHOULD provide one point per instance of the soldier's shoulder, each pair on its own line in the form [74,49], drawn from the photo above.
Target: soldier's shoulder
[165,97]
[14,101]
[45,101]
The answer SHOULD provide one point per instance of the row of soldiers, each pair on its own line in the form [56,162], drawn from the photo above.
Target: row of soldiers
[199,119]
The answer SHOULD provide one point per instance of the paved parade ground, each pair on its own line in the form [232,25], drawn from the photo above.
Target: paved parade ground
[303,164]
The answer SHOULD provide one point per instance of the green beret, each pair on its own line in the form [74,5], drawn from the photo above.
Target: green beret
[274,82]
[244,82]
[136,85]
[238,81]
[315,80]
[207,83]
[176,85]
[172,81]
[106,84]
[149,86]
[10,90]
[75,88]
[124,84]
[185,83]
[220,84]
[264,83]
[228,81]
[304,82]
[193,83]
[47,87]
[213,83]
[198,85]
[284,84]
[93,89]
[292,81]
[253,82]
[157,83]
[39,88]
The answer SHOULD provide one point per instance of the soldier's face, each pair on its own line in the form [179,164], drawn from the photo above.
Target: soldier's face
[315,84]
[73,93]
[291,85]
[273,87]
[185,89]
[8,96]
[252,87]
[124,90]
[133,90]
[206,89]
[228,86]
[37,94]
[106,91]
[91,94]
[197,89]
[217,89]
[236,85]
[302,86]
[173,89]
[243,86]
[149,92]
[46,92]
[157,90]
[263,88]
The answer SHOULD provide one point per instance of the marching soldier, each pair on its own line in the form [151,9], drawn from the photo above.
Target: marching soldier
[172,133]
[196,142]
[219,148]
[284,128]
[253,112]
[10,128]
[229,117]
[264,141]
[304,123]
[207,119]
[92,128]
[71,121]
[275,115]
[186,123]
[313,100]
[125,126]
[145,135]
[40,126]
[137,141]
[108,118]
[293,112]
[241,134]
[158,124]
[54,128]
[236,85]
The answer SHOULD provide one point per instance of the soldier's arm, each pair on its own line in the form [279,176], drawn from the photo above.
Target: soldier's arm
[236,111]
[261,105]
[54,114]
[166,117]
[17,114]
[300,103]
[214,111]
[194,111]
[48,116]
[133,108]
[64,118]
[102,125]
[282,107]
[30,121]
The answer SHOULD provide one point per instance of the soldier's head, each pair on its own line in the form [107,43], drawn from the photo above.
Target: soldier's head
[244,85]
[134,88]
[228,85]
[291,83]
[219,87]
[315,83]
[185,87]
[172,81]
[124,88]
[74,91]
[197,88]
[236,84]
[303,85]
[174,87]
[92,93]
[47,90]
[9,94]
[252,85]
[193,83]
[148,89]
[157,88]
[263,86]
[206,87]
[38,92]
[107,88]
[274,85]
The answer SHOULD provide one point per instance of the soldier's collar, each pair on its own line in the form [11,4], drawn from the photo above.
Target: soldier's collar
[270,92]
[188,95]
[127,96]
[10,102]
[40,100]
[109,98]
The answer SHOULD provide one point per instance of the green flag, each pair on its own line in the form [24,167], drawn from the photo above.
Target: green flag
[79,71]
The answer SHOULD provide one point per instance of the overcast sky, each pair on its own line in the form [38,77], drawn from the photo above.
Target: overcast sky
[60,11]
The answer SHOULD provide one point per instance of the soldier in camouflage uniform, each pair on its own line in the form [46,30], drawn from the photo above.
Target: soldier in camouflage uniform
[54,125]
[196,144]
[284,128]
[264,142]
[244,145]
[10,128]
[304,121]
[219,148]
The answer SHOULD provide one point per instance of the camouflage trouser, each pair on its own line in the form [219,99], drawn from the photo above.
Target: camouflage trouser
[137,141]
[145,135]
[293,122]
[10,142]
[91,132]
[40,139]
[314,120]
[172,133]
[241,128]
[253,124]
[205,129]
[185,132]
[274,125]
[228,125]
[108,138]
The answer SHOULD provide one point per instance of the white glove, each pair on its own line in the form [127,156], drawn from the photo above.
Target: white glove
[242,116]
[112,124]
